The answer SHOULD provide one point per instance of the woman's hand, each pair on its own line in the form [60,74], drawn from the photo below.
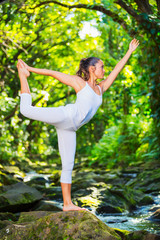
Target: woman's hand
[133,44]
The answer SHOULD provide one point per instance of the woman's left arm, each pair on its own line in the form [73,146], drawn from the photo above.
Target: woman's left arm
[105,84]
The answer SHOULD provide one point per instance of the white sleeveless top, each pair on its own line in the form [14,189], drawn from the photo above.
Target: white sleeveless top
[86,105]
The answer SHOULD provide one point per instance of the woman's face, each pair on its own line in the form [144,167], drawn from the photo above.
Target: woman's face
[99,70]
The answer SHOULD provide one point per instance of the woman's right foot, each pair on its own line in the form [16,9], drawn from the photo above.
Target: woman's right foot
[22,69]
[72,207]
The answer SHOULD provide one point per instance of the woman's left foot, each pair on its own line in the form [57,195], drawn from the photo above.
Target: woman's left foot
[72,207]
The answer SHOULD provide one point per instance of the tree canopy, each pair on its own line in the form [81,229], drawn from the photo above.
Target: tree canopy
[56,35]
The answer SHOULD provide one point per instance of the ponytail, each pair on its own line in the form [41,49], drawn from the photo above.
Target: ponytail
[83,71]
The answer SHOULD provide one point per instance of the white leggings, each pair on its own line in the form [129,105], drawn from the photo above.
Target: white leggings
[66,136]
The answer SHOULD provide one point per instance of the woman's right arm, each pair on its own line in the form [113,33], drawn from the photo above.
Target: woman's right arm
[70,80]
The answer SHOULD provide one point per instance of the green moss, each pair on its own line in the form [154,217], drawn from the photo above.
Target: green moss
[32,216]
[121,233]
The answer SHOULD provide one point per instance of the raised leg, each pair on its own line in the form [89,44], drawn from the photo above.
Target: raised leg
[51,115]
[23,74]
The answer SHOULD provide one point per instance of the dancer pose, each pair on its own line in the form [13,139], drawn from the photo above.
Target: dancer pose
[68,119]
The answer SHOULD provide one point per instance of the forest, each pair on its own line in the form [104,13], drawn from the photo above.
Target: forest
[124,135]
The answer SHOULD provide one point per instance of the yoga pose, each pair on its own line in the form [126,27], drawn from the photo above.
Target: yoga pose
[68,119]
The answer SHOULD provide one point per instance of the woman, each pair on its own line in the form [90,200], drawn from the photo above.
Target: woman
[68,119]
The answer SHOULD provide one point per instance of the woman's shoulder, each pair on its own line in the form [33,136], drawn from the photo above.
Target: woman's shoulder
[79,83]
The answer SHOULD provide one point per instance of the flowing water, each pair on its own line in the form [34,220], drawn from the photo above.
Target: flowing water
[137,220]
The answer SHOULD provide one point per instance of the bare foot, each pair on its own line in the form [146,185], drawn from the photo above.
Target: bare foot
[22,70]
[72,207]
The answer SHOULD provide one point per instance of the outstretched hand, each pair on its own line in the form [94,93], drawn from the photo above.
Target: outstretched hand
[133,44]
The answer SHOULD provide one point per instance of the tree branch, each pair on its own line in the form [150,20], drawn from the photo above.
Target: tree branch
[99,8]
[144,6]
[129,9]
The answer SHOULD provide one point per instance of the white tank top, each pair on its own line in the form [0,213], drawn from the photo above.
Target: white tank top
[86,105]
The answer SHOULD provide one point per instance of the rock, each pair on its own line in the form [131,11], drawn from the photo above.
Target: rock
[145,200]
[17,197]
[53,193]
[81,192]
[147,180]
[155,216]
[44,205]
[14,170]
[5,223]
[117,221]
[7,179]
[62,225]
[55,178]
[67,225]
[131,197]
[37,180]
[7,216]
[137,235]
[104,208]
[26,217]
[142,234]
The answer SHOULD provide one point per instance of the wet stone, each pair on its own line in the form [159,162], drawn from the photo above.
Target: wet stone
[45,205]
[108,209]
[18,196]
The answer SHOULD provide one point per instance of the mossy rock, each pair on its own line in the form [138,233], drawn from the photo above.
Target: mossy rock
[136,235]
[145,200]
[7,216]
[148,181]
[14,170]
[26,217]
[62,225]
[131,197]
[5,223]
[18,196]
[104,208]
[7,179]
[142,235]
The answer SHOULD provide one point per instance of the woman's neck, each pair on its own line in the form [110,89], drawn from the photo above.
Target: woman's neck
[92,81]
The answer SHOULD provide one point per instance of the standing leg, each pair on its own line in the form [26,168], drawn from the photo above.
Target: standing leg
[67,149]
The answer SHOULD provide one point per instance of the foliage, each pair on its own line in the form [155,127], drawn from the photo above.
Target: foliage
[129,142]
[125,128]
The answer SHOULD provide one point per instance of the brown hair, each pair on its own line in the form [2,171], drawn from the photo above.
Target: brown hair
[83,71]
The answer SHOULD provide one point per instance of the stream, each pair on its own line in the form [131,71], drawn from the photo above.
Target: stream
[131,221]
[137,220]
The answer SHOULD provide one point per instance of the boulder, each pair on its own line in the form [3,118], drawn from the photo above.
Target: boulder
[137,235]
[45,205]
[61,225]
[80,225]
[7,216]
[26,217]
[107,208]
[18,197]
